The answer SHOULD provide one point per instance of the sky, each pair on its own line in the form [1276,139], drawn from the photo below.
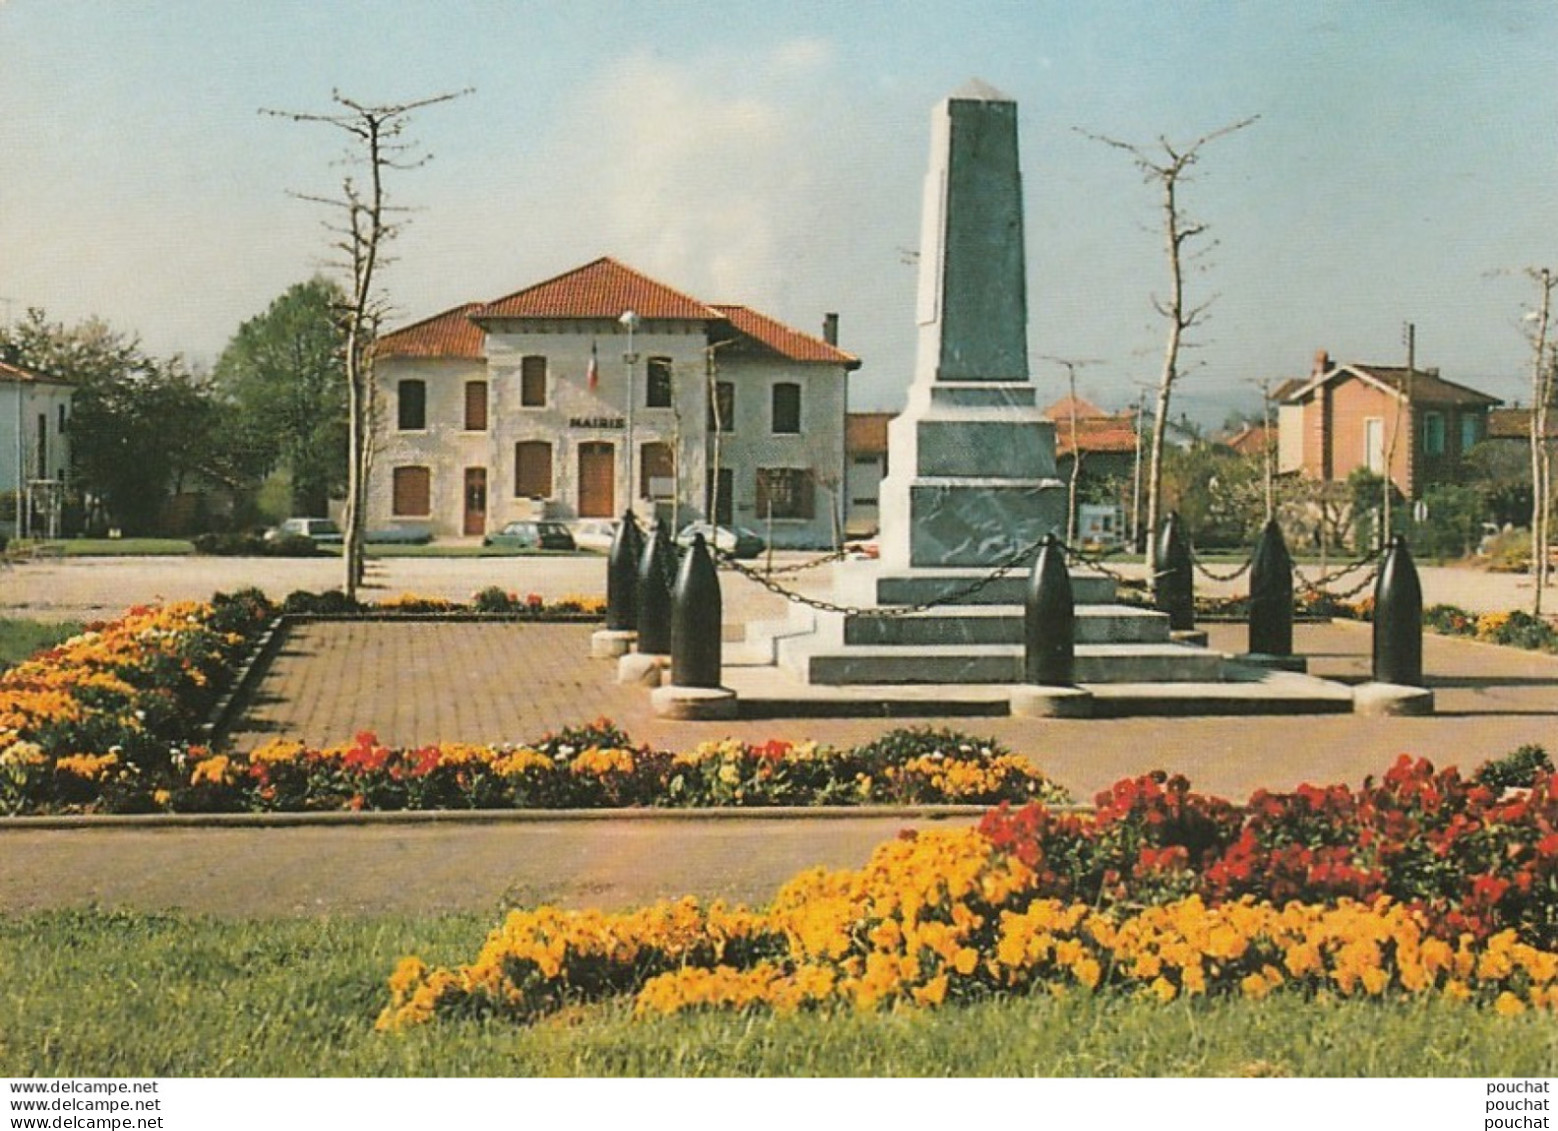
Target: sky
[1402,168]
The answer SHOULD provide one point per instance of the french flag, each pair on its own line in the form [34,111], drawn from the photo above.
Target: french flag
[592,374]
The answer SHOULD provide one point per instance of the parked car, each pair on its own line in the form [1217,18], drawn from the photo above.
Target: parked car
[527,535]
[411,534]
[595,533]
[321,531]
[738,542]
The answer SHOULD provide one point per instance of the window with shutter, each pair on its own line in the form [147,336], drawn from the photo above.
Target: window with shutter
[476,406]
[532,382]
[787,490]
[412,492]
[532,469]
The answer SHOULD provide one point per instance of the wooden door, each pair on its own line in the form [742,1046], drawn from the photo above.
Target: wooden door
[597,476]
[475,500]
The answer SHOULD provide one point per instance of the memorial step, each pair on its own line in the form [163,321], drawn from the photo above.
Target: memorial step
[1003,624]
[961,587]
[1004,663]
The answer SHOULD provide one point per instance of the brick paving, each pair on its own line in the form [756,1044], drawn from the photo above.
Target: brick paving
[415,683]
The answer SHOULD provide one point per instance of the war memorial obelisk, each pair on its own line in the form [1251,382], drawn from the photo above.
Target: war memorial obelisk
[971,462]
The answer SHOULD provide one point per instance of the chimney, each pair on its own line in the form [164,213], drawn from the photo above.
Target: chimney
[830,329]
[1322,363]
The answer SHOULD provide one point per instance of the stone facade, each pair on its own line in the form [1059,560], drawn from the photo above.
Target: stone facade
[513,425]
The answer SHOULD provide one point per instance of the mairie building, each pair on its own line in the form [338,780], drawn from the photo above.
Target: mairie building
[603,389]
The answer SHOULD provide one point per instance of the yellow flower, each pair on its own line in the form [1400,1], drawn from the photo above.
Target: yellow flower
[1508,1005]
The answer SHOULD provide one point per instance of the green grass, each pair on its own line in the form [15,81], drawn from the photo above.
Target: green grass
[113,547]
[100,994]
[20,639]
[450,550]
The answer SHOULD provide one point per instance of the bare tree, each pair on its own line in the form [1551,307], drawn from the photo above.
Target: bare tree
[1544,360]
[1168,165]
[364,222]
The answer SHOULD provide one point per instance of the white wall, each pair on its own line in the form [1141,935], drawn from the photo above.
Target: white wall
[44,399]
[574,414]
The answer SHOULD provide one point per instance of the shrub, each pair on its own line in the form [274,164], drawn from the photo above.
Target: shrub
[332,602]
[1516,770]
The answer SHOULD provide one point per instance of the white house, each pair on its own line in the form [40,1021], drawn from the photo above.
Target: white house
[602,389]
[34,445]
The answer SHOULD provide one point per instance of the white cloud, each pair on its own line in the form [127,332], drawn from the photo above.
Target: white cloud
[803,54]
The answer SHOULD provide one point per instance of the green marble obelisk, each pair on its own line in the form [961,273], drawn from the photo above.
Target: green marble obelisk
[971,460]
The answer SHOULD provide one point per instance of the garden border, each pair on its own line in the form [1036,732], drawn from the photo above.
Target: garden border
[131,821]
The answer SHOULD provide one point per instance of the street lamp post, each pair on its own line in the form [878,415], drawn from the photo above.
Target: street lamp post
[629,319]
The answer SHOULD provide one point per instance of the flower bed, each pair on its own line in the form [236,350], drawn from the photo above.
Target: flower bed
[598,766]
[1517,629]
[955,915]
[100,720]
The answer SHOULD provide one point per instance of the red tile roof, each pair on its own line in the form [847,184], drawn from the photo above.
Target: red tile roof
[1251,440]
[16,375]
[599,290]
[1060,411]
[602,289]
[450,334]
[783,340]
[1097,434]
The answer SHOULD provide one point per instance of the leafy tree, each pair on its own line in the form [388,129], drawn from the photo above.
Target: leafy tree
[139,426]
[1218,493]
[284,372]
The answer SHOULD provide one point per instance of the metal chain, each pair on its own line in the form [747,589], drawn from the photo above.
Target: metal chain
[1323,580]
[957,595]
[1347,594]
[1234,576]
[801,567]
[1097,562]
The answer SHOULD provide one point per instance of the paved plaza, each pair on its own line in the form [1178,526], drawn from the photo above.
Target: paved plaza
[414,683]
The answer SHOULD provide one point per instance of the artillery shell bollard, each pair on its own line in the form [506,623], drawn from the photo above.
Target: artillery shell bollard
[1173,589]
[1271,605]
[1049,643]
[653,579]
[1398,640]
[621,584]
[694,691]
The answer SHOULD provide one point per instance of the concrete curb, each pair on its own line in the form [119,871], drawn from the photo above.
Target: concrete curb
[153,821]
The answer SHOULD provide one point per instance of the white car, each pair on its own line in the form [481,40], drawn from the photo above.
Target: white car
[595,533]
[319,530]
[738,542]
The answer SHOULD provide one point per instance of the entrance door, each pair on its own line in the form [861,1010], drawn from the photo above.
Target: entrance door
[597,475]
[475,500]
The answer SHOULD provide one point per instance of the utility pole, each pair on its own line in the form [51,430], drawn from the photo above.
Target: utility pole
[1141,407]
[1409,336]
